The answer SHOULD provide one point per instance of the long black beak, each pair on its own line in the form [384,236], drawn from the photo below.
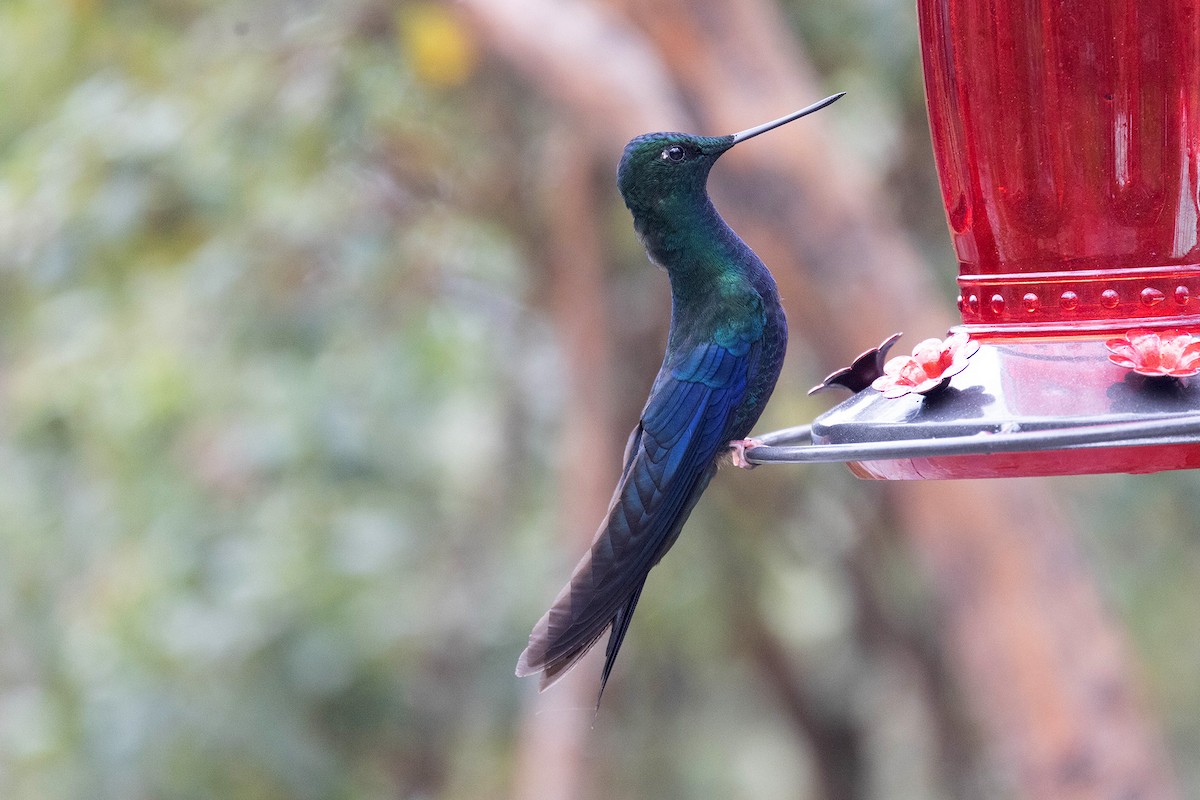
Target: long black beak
[755,131]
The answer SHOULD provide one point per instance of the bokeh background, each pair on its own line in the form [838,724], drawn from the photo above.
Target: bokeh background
[321,328]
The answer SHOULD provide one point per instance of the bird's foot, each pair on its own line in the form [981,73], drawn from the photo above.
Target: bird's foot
[738,448]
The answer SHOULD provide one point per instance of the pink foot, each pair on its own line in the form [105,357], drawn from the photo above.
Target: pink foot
[739,448]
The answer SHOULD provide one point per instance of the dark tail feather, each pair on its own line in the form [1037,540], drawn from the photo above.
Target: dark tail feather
[553,649]
[536,659]
[552,670]
[620,625]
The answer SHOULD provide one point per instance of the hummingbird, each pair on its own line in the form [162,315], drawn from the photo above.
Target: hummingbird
[725,349]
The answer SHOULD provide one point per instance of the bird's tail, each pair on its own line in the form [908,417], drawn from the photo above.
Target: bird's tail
[608,580]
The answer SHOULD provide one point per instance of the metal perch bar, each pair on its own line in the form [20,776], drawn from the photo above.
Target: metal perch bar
[777,448]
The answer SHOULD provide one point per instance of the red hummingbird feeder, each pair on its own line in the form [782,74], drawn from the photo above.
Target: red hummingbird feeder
[1067,142]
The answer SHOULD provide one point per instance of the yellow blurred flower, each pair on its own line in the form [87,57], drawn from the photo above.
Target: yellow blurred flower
[439,47]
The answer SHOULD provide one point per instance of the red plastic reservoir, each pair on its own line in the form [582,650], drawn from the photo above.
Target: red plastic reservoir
[1066,136]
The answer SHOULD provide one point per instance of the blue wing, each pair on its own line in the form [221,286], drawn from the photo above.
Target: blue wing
[670,458]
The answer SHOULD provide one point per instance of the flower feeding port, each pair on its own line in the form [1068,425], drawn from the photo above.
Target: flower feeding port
[1067,143]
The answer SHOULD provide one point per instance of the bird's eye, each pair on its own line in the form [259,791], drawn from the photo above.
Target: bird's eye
[674,154]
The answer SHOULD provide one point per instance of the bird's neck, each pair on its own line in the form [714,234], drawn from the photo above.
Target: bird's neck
[700,252]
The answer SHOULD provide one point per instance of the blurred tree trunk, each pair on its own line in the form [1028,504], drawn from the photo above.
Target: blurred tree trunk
[556,724]
[1044,667]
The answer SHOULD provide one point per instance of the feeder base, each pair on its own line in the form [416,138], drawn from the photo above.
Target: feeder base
[1025,387]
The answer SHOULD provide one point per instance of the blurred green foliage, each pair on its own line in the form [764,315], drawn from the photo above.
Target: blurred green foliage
[255,390]
[278,416]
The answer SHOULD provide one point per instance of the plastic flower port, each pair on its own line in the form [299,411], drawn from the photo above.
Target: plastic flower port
[930,367]
[1171,353]
[859,375]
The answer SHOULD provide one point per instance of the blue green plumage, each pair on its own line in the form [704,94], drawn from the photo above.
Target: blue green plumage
[724,353]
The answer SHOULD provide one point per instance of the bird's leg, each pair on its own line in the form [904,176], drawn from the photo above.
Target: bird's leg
[738,448]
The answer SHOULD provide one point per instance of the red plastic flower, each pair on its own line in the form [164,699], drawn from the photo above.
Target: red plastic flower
[931,366]
[1174,353]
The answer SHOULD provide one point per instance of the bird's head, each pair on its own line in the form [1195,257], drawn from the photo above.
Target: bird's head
[658,168]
